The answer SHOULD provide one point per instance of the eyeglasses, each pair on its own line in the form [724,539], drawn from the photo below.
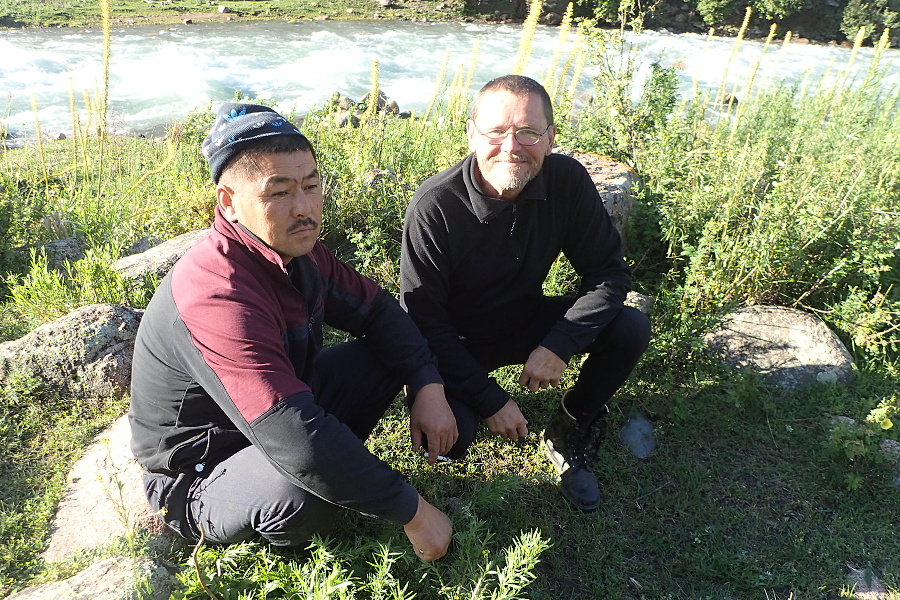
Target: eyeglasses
[525,137]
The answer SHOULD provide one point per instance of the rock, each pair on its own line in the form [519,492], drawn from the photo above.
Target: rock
[865,585]
[66,250]
[86,353]
[158,259]
[552,19]
[385,3]
[890,449]
[104,498]
[344,118]
[641,302]
[615,182]
[380,103]
[110,579]
[224,9]
[188,22]
[787,347]
[637,435]
[61,137]
[142,245]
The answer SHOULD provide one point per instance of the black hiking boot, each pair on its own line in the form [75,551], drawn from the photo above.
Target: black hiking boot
[570,447]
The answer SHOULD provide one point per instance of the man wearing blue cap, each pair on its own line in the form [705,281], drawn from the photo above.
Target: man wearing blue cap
[245,425]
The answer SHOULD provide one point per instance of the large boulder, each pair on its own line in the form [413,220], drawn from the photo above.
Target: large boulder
[110,579]
[104,498]
[789,348]
[159,259]
[85,353]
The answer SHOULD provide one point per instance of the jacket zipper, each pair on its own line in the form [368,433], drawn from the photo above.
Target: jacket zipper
[512,229]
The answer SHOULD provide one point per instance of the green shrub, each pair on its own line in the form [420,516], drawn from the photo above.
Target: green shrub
[791,199]
[612,123]
[44,295]
[873,15]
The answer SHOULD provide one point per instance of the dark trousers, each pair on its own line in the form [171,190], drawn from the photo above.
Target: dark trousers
[244,496]
[610,359]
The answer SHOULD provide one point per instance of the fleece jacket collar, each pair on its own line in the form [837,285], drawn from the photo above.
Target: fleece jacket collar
[243,236]
[485,207]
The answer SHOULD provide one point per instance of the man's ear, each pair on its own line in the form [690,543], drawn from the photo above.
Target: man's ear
[225,199]
[551,135]
[470,133]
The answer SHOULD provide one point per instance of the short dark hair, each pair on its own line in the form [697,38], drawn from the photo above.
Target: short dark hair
[244,160]
[518,85]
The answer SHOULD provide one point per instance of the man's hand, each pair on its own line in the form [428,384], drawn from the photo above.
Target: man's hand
[543,369]
[508,422]
[429,532]
[430,415]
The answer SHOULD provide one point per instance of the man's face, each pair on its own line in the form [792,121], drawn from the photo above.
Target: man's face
[503,170]
[280,203]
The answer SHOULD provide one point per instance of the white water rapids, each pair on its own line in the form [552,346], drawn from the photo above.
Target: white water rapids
[158,75]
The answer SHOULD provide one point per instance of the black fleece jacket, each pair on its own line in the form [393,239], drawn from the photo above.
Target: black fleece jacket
[473,267]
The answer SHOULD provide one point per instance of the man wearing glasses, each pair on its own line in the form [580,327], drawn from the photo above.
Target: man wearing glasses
[478,242]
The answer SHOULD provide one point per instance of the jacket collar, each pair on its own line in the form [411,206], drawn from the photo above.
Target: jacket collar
[485,207]
[257,248]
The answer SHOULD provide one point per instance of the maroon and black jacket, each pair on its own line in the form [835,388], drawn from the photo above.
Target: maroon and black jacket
[222,354]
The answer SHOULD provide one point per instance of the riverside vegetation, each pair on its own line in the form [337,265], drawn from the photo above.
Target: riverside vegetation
[823,20]
[789,197]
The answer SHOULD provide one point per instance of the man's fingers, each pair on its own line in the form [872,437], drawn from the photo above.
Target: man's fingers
[416,438]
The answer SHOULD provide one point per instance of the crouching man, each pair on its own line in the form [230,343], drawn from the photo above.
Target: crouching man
[245,425]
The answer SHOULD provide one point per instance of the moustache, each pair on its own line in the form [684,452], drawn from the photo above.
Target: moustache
[512,156]
[306,223]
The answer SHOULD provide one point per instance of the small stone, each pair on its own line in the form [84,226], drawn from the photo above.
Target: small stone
[827,377]
[224,9]
[637,435]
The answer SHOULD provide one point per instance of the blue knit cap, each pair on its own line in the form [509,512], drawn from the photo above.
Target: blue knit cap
[236,124]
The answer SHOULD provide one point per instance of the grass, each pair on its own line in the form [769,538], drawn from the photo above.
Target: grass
[753,492]
[74,13]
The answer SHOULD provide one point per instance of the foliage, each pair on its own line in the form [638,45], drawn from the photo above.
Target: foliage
[22,208]
[370,172]
[789,198]
[873,15]
[366,568]
[612,123]
[74,13]
[40,436]
[44,295]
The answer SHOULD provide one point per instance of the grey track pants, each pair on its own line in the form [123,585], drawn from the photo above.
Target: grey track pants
[244,496]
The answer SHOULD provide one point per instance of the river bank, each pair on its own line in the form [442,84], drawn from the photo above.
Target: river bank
[672,16]
[71,13]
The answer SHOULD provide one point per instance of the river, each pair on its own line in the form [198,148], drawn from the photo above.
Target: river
[159,74]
